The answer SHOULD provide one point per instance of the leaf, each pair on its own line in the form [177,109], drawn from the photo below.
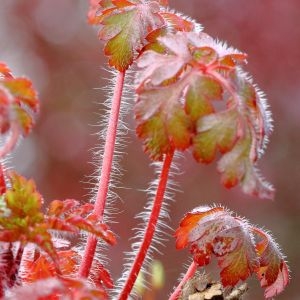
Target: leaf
[202,90]
[236,167]
[58,288]
[100,275]
[41,267]
[215,132]
[69,215]
[22,89]
[163,123]
[18,104]
[177,22]
[125,27]
[4,70]
[273,271]
[25,221]
[214,231]
[191,73]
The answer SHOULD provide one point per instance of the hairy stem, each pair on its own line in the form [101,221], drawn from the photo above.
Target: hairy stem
[190,273]
[103,186]
[150,229]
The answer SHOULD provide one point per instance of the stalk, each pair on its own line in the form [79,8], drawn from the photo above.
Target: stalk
[101,197]
[190,273]
[150,229]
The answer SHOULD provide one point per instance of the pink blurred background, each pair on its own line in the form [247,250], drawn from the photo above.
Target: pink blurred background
[50,42]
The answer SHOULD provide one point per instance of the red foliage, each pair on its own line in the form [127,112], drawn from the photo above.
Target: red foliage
[214,231]
[18,104]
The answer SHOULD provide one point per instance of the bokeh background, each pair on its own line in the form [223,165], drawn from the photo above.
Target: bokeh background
[50,42]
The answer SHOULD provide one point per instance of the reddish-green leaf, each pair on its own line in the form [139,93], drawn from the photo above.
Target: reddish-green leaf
[163,122]
[22,89]
[214,231]
[215,131]
[201,91]
[70,216]
[237,166]
[125,27]
[18,103]
[191,73]
[273,271]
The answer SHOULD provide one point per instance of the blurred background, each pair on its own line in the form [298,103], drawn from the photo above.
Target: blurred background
[50,42]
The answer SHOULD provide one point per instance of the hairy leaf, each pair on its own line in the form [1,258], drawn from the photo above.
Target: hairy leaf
[185,83]
[214,231]
[215,131]
[273,271]
[237,166]
[125,25]
[164,124]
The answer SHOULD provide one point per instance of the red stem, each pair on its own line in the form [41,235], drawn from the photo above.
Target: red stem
[150,229]
[109,147]
[190,273]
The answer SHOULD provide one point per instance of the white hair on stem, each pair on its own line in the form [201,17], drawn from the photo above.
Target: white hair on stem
[116,170]
[162,228]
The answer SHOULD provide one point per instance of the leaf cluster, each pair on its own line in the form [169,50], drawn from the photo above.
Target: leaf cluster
[240,248]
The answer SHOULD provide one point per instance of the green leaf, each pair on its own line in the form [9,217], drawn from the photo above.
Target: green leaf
[215,131]
[125,27]
[162,121]
[202,90]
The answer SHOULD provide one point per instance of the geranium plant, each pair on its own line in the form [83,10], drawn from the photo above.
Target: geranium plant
[191,92]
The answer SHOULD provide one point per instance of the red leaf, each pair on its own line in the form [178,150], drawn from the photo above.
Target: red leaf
[4,70]
[18,103]
[101,276]
[178,22]
[214,231]
[273,271]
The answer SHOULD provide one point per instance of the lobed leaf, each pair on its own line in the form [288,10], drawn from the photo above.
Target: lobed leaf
[273,271]
[215,131]
[239,248]
[125,25]
[237,166]
[196,88]
[214,231]
[18,104]
[69,215]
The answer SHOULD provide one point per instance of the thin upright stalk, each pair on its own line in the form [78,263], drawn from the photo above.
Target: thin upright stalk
[103,186]
[190,273]
[150,229]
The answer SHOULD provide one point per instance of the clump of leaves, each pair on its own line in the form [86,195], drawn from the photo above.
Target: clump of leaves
[22,221]
[18,104]
[240,248]
[179,105]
